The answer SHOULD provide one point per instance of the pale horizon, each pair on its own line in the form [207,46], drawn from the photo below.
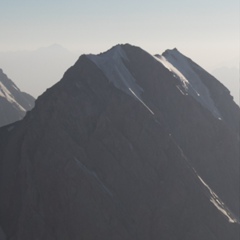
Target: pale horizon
[197,28]
[207,32]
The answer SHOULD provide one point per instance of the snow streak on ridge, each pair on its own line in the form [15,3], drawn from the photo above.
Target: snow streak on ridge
[112,65]
[4,92]
[191,83]
[216,201]
[213,197]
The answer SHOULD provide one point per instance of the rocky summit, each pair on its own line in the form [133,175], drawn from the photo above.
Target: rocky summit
[127,146]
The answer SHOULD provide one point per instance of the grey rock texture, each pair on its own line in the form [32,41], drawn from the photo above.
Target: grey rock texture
[92,162]
[2,235]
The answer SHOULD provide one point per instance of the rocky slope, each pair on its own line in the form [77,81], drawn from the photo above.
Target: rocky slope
[13,102]
[206,89]
[118,149]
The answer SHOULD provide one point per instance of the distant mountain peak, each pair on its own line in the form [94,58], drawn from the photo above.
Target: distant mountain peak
[53,47]
[13,102]
[172,51]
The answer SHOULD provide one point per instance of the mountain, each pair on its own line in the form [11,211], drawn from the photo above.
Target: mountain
[203,87]
[126,146]
[13,102]
[39,69]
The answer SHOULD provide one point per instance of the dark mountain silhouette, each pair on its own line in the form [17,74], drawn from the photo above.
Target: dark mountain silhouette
[122,148]
[13,102]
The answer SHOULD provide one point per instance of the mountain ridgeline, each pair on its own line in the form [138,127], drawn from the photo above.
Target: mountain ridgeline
[13,102]
[127,146]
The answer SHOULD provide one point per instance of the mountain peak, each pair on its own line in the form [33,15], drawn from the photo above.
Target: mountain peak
[173,52]
[112,64]
[90,162]
[113,50]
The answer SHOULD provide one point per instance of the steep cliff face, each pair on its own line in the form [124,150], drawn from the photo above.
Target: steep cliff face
[13,102]
[115,150]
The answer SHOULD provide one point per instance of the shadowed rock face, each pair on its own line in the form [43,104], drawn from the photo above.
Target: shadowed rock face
[92,161]
[13,102]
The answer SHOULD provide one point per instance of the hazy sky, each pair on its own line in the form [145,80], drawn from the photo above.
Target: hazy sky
[205,30]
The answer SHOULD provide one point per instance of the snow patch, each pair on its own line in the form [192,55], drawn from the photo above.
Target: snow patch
[112,65]
[213,197]
[141,101]
[4,92]
[190,80]
[217,202]
[175,71]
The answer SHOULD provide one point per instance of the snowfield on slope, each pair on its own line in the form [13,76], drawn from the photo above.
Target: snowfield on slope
[112,65]
[191,82]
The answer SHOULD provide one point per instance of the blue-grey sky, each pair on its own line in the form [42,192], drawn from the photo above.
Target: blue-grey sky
[205,30]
